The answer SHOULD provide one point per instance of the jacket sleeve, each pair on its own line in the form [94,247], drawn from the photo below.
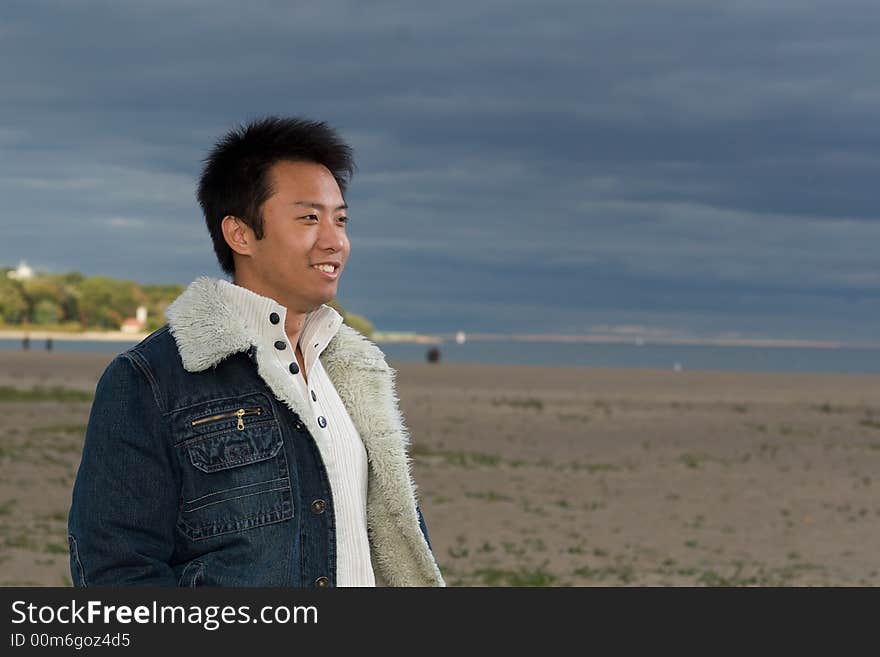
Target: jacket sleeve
[121,527]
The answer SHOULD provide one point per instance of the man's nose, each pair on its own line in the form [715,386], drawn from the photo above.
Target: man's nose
[330,236]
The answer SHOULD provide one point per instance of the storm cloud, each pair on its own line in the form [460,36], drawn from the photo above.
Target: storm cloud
[696,167]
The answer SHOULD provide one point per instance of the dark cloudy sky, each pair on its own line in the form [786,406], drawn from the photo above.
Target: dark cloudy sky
[698,168]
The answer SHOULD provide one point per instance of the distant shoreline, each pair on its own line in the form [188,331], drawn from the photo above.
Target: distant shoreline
[120,336]
[388,337]
[85,336]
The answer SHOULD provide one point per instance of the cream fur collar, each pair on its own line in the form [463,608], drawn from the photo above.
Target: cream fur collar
[207,330]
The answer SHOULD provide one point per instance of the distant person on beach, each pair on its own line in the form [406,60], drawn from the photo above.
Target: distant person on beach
[25,343]
[48,344]
[255,439]
[433,355]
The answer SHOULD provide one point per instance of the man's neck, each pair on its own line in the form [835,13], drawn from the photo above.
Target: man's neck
[293,325]
[294,319]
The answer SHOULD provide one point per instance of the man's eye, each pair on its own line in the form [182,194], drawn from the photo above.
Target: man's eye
[342,220]
[311,216]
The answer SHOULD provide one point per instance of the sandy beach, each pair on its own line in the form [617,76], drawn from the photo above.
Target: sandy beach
[550,476]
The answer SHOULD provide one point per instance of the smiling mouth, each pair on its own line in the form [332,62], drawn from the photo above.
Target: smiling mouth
[327,269]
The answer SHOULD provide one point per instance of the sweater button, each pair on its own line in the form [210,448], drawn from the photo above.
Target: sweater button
[280,345]
[318,507]
[294,368]
[274,318]
[322,582]
[322,422]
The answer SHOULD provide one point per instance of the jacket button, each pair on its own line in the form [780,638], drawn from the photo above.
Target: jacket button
[318,507]
[314,397]
[322,582]
[322,421]
[294,368]
[280,345]
[274,318]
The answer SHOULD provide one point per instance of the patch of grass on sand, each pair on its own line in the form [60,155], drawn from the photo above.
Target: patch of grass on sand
[829,408]
[623,572]
[529,403]
[522,577]
[75,429]
[695,461]
[489,496]
[19,541]
[766,449]
[871,424]
[513,549]
[30,453]
[474,459]
[760,576]
[590,467]
[459,458]
[40,394]
[603,405]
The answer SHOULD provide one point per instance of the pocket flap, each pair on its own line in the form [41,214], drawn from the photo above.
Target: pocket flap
[235,448]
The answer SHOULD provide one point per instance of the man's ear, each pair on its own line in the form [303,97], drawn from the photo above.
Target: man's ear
[238,235]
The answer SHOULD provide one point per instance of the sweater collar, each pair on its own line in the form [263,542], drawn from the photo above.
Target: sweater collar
[213,319]
[257,313]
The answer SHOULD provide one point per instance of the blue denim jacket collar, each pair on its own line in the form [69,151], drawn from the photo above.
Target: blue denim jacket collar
[207,330]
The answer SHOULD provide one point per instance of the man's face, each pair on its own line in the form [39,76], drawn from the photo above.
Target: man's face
[303,228]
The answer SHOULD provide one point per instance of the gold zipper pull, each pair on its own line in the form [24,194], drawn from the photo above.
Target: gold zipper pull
[240,414]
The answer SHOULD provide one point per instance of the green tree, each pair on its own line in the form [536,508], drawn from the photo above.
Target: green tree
[47,311]
[52,295]
[359,323]
[158,298]
[13,303]
[104,302]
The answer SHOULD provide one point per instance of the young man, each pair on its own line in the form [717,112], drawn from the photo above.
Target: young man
[255,440]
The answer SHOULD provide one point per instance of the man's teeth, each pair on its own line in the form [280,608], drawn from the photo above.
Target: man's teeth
[327,268]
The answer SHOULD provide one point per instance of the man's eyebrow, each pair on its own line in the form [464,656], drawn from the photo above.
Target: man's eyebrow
[320,206]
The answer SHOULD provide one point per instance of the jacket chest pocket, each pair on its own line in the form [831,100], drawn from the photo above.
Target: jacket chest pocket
[235,471]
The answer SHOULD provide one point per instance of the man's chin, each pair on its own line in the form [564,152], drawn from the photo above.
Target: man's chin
[316,303]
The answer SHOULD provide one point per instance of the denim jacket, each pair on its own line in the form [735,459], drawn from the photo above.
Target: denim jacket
[199,467]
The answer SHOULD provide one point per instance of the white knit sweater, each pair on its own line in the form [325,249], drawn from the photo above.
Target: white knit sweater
[339,444]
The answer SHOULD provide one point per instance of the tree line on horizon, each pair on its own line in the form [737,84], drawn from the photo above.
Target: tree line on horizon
[75,302]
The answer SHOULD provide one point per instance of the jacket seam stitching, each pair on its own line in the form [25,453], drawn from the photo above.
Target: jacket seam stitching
[198,566]
[205,536]
[75,549]
[140,364]
[230,499]
[280,480]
